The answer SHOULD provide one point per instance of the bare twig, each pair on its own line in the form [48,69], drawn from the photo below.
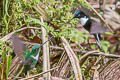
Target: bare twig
[60,63]
[84,57]
[90,54]
[73,59]
[10,34]
[46,59]
[63,63]
[13,76]
[19,72]
[64,68]
[40,73]
[96,74]
[87,54]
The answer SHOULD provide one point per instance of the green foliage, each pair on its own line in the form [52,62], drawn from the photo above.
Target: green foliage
[9,61]
[20,13]
[59,11]
[77,36]
[5,61]
[37,21]
[93,46]
[6,5]
[105,46]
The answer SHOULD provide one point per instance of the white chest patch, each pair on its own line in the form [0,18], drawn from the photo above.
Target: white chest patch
[83,20]
[36,57]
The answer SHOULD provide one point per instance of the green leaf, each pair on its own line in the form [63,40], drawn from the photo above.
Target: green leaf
[9,60]
[77,36]
[93,46]
[105,46]
[7,2]
[27,52]
[35,21]
[4,56]
[0,70]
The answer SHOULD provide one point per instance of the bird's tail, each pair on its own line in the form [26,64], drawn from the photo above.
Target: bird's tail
[98,38]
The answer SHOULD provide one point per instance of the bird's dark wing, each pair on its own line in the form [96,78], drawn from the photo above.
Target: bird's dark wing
[97,27]
[18,46]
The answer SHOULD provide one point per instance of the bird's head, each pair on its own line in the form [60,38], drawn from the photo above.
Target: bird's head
[79,14]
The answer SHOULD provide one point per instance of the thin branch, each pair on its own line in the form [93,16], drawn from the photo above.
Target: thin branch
[85,56]
[73,59]
[40,73]
[5,38]
[19,73]
[46,57]
[84,52]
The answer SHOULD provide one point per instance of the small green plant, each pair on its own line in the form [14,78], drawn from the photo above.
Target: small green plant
[5,61]
[105,46]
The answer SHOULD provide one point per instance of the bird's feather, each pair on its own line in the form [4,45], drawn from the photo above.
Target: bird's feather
[97,27]
[18,46]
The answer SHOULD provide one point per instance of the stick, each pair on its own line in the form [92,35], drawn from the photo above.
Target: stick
[92,54]
[5,38]
[73,59]
[46,56]
[40,73]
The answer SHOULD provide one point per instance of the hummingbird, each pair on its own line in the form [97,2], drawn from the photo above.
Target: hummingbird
[92,26]
[29,57]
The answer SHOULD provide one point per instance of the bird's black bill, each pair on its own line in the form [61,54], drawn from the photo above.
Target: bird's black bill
[47,41]
[53,36]
[67,22]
